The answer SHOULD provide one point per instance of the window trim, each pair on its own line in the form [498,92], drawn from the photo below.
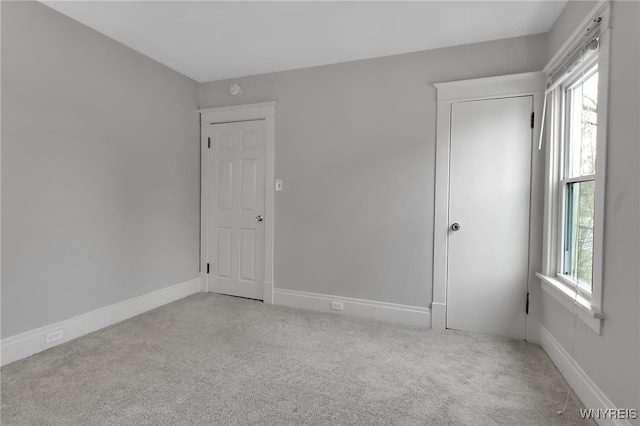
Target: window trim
[568,293]
[577,77]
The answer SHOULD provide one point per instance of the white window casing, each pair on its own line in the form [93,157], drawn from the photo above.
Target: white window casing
[566,67]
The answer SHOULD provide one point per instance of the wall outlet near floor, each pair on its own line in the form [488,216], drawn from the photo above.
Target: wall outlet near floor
[337,306]
[53,336]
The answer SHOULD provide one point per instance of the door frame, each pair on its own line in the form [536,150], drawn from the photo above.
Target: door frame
[208,116]
[524,84]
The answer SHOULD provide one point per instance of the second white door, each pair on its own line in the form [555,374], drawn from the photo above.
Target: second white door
[236,209]
[490,162]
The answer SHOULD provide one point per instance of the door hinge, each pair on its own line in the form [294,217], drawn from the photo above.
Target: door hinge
[532,121]
[209,141]
[527,305]
[208,269]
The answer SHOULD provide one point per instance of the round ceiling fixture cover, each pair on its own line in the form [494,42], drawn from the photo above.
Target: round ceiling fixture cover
[235,89]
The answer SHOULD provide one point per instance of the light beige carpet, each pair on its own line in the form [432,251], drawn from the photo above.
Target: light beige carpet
[218,360]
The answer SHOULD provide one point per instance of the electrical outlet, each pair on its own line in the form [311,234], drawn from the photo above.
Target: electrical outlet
[337,306]
[53,336]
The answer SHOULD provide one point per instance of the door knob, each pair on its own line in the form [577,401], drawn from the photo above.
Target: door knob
[259,218]
[455,227]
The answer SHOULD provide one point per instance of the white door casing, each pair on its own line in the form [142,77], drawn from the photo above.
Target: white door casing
[237,175]
[489,192]
[236,208]
[526,84]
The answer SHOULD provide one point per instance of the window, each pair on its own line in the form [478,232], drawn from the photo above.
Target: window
[576,107]
[578,179]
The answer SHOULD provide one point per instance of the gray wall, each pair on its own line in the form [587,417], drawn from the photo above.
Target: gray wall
[612,360]
[100,170]
[355,146]
[569,19]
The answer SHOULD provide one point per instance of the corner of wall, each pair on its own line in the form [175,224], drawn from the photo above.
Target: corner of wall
[31,342]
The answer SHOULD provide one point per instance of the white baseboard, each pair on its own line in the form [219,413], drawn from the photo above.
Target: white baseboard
[399,314]
[33,341]
[588,392]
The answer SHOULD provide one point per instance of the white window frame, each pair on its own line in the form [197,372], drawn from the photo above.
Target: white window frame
[577,77]
[586,305]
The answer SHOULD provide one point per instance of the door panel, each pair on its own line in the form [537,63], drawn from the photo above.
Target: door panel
[247,254]
[222,266]
[225,179]
[249,184]
[236,238]
[490,163]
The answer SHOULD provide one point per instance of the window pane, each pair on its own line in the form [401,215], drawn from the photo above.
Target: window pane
[583,128]
[578,243]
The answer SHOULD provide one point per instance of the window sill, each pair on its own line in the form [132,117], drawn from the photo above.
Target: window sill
[566,297]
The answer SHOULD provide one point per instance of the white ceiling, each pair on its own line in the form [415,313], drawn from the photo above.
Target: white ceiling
[212,40]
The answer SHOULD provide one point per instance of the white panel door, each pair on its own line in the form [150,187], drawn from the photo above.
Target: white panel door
[490,162]
[236,208]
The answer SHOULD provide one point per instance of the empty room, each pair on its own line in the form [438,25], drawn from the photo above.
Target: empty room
[321,213]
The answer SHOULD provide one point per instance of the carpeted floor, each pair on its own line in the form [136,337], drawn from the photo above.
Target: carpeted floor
[218,360]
